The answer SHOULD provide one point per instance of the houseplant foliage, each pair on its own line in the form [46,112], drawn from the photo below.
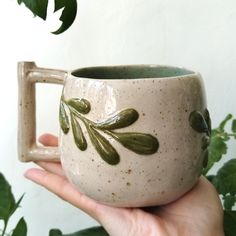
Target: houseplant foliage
[39,8]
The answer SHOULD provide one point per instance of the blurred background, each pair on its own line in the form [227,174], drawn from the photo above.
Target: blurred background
[199,35]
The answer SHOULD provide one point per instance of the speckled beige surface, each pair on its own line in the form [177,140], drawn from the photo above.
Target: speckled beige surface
[164,105]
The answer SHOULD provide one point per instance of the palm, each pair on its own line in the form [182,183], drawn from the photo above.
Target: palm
[198,212]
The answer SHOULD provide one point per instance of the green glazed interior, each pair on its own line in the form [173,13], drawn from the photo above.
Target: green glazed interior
[130,72]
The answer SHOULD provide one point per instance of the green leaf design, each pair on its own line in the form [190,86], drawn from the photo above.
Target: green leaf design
[68,14]
[103,147]
[80,104]
[205,158]
[93,231]
[233,128]
[229,223]
[229,201]
[63,118]
[38,7]
[198,122]
[79,138]
[139,143]
[208,119]
[7,200]
[122,119]
[20,229]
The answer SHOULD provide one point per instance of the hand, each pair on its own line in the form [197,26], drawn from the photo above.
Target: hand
[198,212]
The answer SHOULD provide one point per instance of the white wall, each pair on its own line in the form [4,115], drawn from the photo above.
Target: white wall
[200,35]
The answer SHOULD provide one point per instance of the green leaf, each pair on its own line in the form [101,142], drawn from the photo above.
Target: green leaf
[59,4]
[20,229]
[229,201]
[55,232]
[93,231]
[198,122]
[216,150]
[79,138]
[80,104]
[226,176]
[234,126]
[122,119]
[17,204]
[63,119]
[38,7]
[139,143]
[224,122]
[229,223]
[68,14]
[103,147]
[7,200]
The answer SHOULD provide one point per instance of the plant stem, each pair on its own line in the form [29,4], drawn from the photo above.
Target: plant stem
[5,227]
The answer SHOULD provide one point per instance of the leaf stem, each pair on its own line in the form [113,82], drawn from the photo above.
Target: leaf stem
[5,227]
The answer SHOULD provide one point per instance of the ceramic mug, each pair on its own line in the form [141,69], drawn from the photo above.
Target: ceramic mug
[131,135]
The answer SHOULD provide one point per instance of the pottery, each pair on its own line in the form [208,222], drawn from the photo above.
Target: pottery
[131,135]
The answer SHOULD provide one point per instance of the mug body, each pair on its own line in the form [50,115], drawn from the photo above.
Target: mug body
[127,138]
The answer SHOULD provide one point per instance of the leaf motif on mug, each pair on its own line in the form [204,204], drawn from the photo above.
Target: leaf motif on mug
[122,119]
[198,122]
[79,138]
[103,147]
[63,119]
[81,105]
[139,143]
[208,119]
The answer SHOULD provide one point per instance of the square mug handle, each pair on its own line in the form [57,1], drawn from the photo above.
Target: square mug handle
[28,75]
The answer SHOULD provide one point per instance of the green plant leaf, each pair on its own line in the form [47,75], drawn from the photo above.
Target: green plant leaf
[7,200]
[216,150]
[38,7]
[63,119]
[68,14]
[198,122]
[79,138]
[20,229]
[230,223]
[55,232]
[224,122]
[234,126]
[226,176]
[80,104]
[93,231]
[103,147]
[122,119]
[229,201]
[139,143]
[17,204]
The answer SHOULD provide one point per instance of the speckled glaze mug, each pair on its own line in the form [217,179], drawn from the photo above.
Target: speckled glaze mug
[131,135]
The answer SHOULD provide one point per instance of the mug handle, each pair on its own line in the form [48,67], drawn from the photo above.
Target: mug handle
[28,75]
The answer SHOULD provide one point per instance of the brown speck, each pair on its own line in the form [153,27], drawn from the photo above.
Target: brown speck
[113,194]
[149,180]
[128,183]
[144,114]
[109,181]
[99,190]
[159,179]
[128,171]
[186,110]
[182,179]
[162,192]
[92,159]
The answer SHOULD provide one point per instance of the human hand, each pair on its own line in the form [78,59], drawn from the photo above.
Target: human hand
[199,212]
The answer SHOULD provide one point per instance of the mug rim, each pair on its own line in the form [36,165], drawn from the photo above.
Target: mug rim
[83,72]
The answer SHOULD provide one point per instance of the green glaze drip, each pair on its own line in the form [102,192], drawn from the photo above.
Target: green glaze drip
[120,120]
[140,143]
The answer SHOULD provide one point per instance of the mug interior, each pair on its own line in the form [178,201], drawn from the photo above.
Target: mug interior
[131,72]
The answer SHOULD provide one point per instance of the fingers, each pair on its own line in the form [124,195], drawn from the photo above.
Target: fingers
[63,189]
[48,140]
[52,167]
